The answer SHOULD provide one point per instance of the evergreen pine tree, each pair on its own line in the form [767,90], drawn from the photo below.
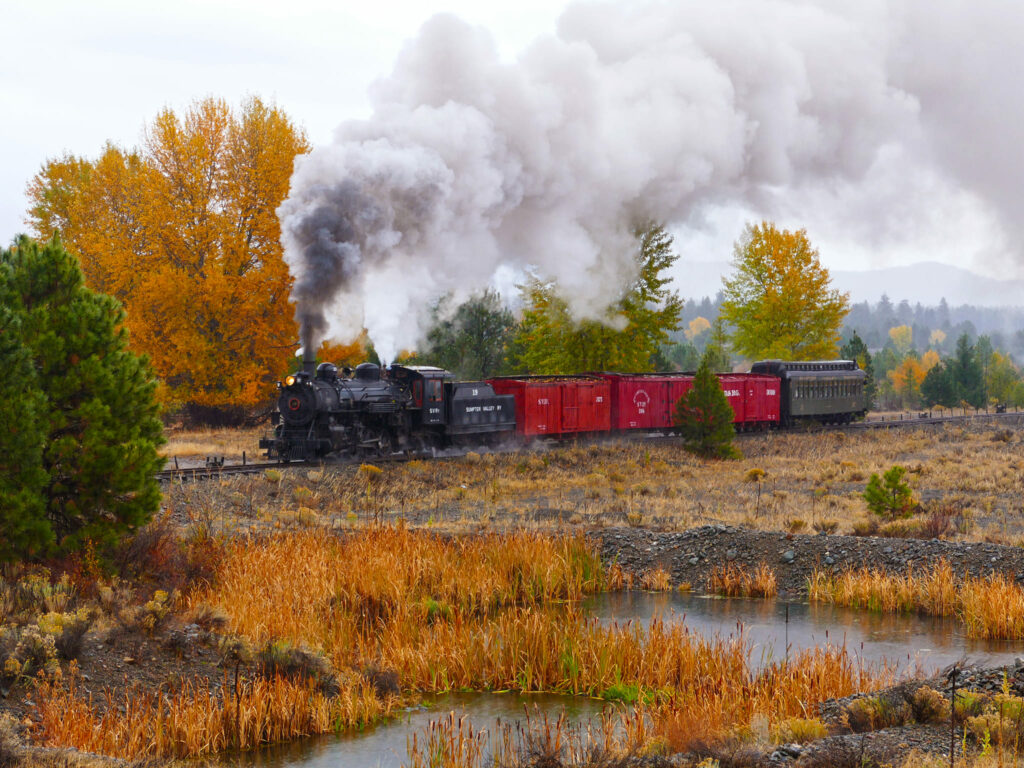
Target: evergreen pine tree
[24,530]
[967,374]
[855,349]
[98,417]
[704,416]
[938,387]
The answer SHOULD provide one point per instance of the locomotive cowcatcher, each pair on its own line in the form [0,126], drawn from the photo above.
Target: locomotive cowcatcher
[375,412]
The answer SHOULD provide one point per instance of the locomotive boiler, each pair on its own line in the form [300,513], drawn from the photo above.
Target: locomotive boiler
[378,412]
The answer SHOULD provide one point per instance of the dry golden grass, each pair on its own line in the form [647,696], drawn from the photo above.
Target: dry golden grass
[730,580]
[195,720]
[487,612]
[473,613]
[990,607]
[200,443]
[816,479]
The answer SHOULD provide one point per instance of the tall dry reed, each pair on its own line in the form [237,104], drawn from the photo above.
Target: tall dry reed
[480,613]
[196,719]
[990,606]
[730,580]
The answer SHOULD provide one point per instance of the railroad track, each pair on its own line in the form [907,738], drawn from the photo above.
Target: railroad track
[227,470]
[223,470]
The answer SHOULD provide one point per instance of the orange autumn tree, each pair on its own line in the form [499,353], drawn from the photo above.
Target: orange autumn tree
[906,380]
[183,231]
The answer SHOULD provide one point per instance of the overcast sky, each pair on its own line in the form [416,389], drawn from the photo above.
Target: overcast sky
[77,74]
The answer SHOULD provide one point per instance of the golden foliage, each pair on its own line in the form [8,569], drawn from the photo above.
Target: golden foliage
[902,338]
[780,301]
[183,231]
[906,380]
[696,327]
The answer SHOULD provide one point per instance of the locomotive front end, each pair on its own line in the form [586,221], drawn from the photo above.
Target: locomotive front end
[301,399]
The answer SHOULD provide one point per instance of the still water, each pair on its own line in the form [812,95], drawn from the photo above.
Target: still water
[384,746]
[910,643]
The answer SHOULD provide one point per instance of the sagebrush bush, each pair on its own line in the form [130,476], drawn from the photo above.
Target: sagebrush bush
[927,705]
[800,730]
[872,713]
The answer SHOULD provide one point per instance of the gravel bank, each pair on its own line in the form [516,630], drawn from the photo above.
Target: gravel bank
[690,555]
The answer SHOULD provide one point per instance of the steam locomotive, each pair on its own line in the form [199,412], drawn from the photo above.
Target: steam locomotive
[373,412]
[369,412]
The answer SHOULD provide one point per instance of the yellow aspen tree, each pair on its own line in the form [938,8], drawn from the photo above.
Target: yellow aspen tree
[779,302]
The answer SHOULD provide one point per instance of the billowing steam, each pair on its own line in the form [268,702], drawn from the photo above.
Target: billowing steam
[471,165]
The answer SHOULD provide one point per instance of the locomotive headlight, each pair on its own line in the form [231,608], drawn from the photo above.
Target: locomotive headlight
[289,380]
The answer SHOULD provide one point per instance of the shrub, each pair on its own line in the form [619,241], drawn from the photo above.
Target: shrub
[927,705]
[889,496]
[874,712]
[865,527]
[800,730]
[901,529]
[10,752]
[281,658]
[26,652]
[795,525]
[68,631]
[155,611]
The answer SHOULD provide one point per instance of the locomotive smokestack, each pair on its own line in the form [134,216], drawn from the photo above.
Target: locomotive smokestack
[308,363]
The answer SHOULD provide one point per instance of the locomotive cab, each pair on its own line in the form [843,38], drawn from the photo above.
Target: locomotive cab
[425,385]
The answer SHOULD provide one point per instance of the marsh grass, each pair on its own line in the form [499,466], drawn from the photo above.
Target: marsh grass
[511,622]
[197,719]
[730,580]
[434,613]
[990,607]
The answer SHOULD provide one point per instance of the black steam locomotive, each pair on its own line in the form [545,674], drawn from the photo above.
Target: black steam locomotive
[372,412]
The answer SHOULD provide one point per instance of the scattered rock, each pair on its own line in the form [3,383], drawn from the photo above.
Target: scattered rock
[788,556]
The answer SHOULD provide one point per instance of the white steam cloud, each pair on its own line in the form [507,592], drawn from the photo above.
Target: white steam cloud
[471,165]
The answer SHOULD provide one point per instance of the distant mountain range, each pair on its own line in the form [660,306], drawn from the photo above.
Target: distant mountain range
[926,282]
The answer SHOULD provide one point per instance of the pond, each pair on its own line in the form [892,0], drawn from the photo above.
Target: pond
[911,643]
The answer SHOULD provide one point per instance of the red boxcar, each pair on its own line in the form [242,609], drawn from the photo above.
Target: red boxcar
[645,400]
[734,386]
[763,400]
[557,405]
[648,400]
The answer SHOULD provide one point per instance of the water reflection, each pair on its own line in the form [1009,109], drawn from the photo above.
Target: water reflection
[384,746]
[913,642]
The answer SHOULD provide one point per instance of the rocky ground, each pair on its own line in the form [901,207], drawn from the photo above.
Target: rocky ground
[690,555]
